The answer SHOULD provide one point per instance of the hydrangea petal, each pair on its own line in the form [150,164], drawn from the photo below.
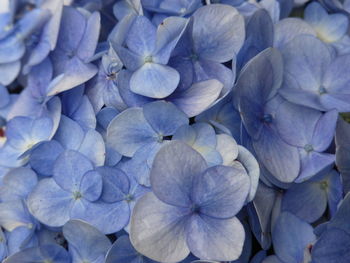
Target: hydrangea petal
[154,80]
[173,171]
[157,230]
[215,239]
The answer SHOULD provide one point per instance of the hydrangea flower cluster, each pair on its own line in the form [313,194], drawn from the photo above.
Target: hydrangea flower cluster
[165,131]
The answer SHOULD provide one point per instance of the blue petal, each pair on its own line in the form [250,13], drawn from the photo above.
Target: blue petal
[258,82]
[91,186]
[332,247]
[43,157]
[290,237]
[116,184]
[9,72]
[141,163]
[107,218]
[142,37]
[131,99]
[154,80]
[218,32]
[342,139]
[50,204]
[89,40]
[75,72]
[93,147]
[335,81]
[17,184]
[15,214]
[307,200]
[123,251]
[280,159]
[224,238]
[164,117]
[292,125]
[173,171]
[259,36]
[85,242]
[169,33]
[289,28]
[329,28]
[251,165]
[260,213]
[69,134]
[199,97]
[129,131]
[157,230]
[221,191]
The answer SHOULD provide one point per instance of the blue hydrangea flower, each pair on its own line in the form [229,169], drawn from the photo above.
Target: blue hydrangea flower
[321,84]
[188,205]
[69,136]
[146,53]
[257,100]
[77,41]
[74,192]
[207,43]
[13,33]
[105,83]
[140,132]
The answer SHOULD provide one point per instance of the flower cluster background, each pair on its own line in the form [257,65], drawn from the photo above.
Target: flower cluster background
[163,131]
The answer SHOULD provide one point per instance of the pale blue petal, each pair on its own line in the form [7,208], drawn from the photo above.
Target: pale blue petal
[307,200]
[17,184]
[91,186]
[290,237]
[116,184]
[164,117]
[215,239]
[289,28]
[107,218]
[129,131]
[69,133]
[158,231]
[218,32]
[199,97]
[154,80]
[173,171]
[88,243]
[50,204]
[93,147]
[221,191]
[141,38]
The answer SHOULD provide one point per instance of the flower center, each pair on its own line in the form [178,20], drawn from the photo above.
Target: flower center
[148,59]
[324,185]
[195,209]
[322,90]
[77,195]
[308,148]
[129,198]
[267,118]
